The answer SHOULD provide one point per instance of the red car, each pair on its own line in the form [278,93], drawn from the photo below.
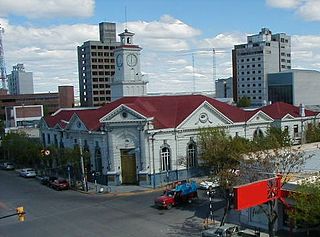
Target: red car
[60,184]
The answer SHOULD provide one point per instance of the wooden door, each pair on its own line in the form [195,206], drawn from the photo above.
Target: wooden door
[128,166]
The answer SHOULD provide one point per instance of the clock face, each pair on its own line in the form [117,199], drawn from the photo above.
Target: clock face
[119,60]
[132,60]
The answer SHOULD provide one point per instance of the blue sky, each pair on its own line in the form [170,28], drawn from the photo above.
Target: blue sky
[44,34]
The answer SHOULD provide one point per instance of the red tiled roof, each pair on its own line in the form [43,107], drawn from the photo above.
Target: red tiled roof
[63,115]
[170,111]
[280,109]
[167,111]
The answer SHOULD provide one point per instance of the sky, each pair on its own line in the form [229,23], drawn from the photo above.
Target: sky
[177,36]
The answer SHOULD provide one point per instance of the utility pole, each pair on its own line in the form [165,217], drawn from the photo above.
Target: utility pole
[84,178]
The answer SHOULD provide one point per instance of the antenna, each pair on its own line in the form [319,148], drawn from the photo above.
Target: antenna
[3,75]
[125,16]
[193,79]
[214,66]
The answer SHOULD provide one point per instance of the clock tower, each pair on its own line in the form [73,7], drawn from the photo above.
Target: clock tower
[127,79]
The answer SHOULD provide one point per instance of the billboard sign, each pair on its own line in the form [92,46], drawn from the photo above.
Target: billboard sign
[256,193]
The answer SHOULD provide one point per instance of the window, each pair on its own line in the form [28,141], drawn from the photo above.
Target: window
[296,130]
[48,138]
[165,159]
[191,155]
[258,133]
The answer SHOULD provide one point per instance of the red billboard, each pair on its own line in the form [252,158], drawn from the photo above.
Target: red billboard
[256,193]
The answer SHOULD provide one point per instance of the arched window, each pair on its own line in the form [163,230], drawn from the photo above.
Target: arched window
[165,159]
[191,155]
[98,160]
[258,133]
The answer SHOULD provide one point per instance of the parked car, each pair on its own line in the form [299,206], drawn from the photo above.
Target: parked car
[227,230]
[59,184]
[184,192]
[47,180]
[28,173]
[7,166]
[207,184]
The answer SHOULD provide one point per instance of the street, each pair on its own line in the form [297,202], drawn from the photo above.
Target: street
[70,213]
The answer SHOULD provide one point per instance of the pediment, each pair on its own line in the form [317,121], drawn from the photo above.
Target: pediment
[75,123]
[260,117]
[122,113]
[43,124]
[288,117]
[204,116]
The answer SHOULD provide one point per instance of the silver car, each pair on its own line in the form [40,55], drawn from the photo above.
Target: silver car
[8,166]
[227,230]
[28,173]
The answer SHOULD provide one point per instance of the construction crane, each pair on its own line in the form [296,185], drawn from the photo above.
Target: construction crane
[3,75]
[204,51]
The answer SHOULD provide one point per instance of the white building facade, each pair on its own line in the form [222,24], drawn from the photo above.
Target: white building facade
[153,140]
[295,87]
[20,81]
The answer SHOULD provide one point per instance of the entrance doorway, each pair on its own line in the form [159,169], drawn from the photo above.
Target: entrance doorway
[128,166]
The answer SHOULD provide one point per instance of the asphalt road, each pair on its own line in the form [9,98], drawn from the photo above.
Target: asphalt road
[70,213]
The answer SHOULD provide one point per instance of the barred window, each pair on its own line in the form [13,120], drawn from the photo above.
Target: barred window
[191,155]
[165,158]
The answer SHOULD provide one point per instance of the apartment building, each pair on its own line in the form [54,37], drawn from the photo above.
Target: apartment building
[251,62]
[96,66]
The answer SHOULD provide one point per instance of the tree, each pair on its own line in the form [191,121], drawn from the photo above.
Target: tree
[244,102]
[264,157]
[312,133]
[306,212]
[268,163]
[21,149]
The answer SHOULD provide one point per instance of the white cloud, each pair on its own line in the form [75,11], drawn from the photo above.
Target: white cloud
[308,9]
[283,3]
[305,51]
[50,53]
[48,8]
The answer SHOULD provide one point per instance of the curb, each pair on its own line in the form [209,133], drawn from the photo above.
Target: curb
[125,193]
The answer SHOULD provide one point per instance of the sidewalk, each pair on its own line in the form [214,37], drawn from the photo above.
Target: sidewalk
[120,189]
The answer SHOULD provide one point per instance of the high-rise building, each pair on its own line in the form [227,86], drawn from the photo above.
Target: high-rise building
[20,81]
[224,88]
[251,62]
[96,66]
[128,77]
